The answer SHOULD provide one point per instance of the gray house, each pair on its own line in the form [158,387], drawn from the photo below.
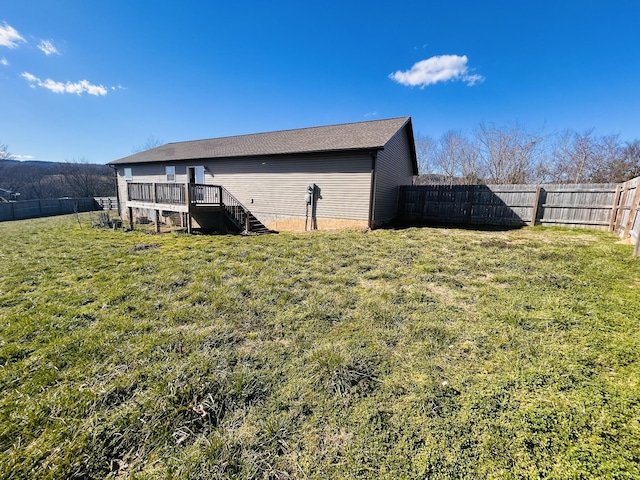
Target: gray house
[336,176]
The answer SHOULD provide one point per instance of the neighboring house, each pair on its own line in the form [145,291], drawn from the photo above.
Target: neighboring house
[249,182]
[6,195]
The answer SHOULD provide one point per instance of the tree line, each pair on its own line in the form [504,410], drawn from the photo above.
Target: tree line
[33,179]
[512,154]
[78,178]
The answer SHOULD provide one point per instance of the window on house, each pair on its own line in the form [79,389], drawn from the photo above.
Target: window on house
[171,174]
[128,175]
[199,171]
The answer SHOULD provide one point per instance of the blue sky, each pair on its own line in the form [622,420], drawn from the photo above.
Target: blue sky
[94,79]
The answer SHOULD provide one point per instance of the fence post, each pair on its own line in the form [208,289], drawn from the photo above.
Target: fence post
[636,250]
[623,205]
[614,208]
[470,195]
[632,212]
[130,213]
[536,204]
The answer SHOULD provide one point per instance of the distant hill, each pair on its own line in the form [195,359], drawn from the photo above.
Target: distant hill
[38,179]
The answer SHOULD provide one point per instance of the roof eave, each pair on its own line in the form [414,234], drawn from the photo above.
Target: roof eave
[343,151]
[412,145]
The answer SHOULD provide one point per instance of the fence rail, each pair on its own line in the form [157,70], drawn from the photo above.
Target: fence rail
[608,206]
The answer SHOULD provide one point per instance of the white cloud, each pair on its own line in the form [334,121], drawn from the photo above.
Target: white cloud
[441,68]
[48,47]
[4,61]
[9,36]
[83,86]
[29,77]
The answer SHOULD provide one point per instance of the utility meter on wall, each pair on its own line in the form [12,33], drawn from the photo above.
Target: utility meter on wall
[310,191]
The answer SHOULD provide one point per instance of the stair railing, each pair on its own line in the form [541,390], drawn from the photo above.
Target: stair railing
[236,210]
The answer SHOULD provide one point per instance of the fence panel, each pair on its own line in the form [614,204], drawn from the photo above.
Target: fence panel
[585,205]
[565,205]
[45,208]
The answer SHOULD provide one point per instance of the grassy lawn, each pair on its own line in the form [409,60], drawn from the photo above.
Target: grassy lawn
[417,353]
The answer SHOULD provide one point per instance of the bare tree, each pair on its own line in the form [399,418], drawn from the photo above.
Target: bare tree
[507,154]
[512,154]
[447,157]
[86,179]
[583,156]
[45,186]
[425,151]
[4,152]
[151,142]
[621,164]
[471,169]
[456,158]
[586,157]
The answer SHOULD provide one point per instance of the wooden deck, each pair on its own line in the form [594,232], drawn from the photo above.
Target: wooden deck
[193,199]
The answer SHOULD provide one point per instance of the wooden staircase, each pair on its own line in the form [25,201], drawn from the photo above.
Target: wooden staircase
[240,216]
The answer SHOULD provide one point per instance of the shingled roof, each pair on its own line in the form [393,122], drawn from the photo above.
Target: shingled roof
[372,135]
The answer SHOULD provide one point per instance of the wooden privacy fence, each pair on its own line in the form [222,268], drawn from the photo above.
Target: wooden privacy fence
[45,208]
[608,206]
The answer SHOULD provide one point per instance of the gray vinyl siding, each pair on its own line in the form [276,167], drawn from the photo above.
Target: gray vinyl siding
[393,168]
[275,188]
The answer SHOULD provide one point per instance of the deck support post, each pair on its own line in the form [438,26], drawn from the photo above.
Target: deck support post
[188,199]
[157,221]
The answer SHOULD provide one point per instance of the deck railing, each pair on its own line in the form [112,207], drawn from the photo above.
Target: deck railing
[140,192]
[175,193]
[206,194]
[167,193]
[171,193]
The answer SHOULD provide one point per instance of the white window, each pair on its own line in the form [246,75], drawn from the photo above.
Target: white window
[128,174]
[171,173]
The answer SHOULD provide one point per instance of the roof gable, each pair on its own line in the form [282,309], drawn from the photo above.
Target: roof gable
[372,135]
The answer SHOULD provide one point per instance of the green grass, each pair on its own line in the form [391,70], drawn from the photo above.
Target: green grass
[417,353]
